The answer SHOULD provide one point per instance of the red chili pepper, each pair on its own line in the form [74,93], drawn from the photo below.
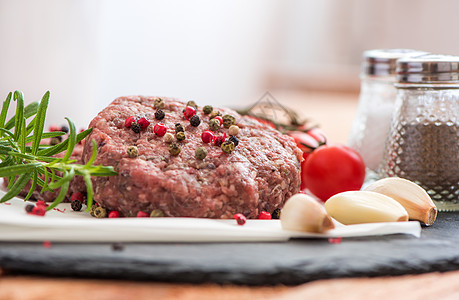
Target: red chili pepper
[143,122]
[240,219]
[207,136]
[114,214]
[264,215]
[160,129]
[189,112]
[129,121]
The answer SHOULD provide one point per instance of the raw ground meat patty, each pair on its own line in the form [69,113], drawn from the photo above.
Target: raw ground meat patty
[260,174]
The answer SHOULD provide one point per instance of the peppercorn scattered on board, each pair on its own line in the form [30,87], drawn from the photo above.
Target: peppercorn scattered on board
[63,224]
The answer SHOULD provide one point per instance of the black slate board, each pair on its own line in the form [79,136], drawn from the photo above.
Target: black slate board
[289,263]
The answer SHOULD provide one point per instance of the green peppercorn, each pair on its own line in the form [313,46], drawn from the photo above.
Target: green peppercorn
[179,127]
[214,113]
[192,104]
[228,120]
[195,121]
[214,125]
[180,136]
[201,153]
[227,146]
[159,103]
[100,212]
[157,213]
[132,151]
[207,109]
[92,210]
[174,149]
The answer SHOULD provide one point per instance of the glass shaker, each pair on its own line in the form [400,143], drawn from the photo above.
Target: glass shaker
[423,143]
[376,104]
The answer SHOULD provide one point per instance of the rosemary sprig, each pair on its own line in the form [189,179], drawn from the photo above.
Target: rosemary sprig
[23,157]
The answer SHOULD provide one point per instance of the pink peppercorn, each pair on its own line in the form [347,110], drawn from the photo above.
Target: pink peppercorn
[264,215]
[142,214]
[189,112]
[114,214]
[220,119]
[38,210]
[129,121]
[76,196]
[143,122]
[160,129]
[240,219]
[207,136]
[218,141]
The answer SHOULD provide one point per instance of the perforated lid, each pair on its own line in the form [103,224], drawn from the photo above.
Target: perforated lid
[382,62]
[428,69]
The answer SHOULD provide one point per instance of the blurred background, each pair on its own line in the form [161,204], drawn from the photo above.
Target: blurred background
[228,52]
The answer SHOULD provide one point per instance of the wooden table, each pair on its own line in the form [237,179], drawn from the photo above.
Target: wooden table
[334,112]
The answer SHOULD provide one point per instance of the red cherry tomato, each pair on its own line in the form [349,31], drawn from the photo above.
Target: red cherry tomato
[333,169]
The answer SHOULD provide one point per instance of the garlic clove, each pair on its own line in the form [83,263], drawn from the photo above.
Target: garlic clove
[411,196]
[303,213]
[355,207]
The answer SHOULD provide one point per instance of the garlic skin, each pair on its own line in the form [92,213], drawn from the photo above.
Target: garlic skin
[355,207]
[411,196]
[303,213]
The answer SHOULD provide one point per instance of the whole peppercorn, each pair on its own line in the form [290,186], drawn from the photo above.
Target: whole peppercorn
[128,122]
[228,120]
[227,147]
[55,140]
[136,127]
[195,121]
[168,138]
[207,109]
[179,127]
[240,219]
[207,136]
[174,149]
[214,125]
[201,153]
[100,212]
[65,128]
[218,141]
[276,214]
[233,130]
[157,213]
[160,129]
[219,118]
[76,196]
[159,114]
[180,136]
[264,215]
[114,214]
[132,151]
[117,246]
[29,208]
[234,140]
[93,209]
[214,113]
[159,103]
[189,112]
[143,122]
[142,214]
[192,104]
[76,205]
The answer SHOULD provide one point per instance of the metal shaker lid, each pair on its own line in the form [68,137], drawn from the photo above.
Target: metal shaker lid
[381,62]
[428,69]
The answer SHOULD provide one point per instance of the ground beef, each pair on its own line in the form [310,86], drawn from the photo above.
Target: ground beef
[260,174]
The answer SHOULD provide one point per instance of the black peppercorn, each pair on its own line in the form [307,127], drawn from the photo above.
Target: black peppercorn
[174,149]
[180,136]
[136,127]
[227,146]
[29,208]
[235,140]
[207,109]
[159,114]
[192,104]
[276,214]
[195,121]
[76,205]
[159,103]
[65,129]
[179,127]
[228,120]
